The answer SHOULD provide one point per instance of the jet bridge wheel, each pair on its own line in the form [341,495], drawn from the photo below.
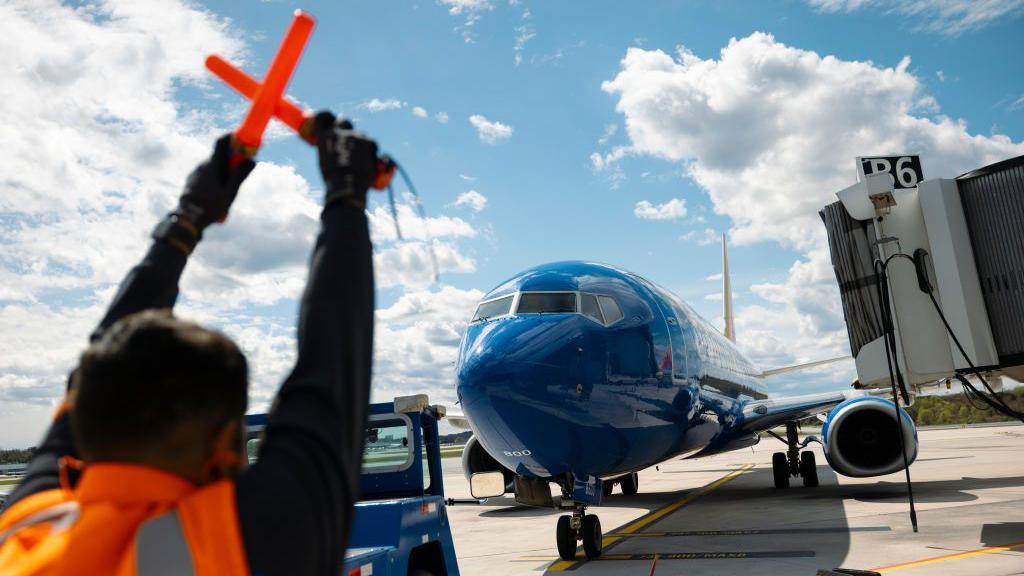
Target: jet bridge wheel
[780,470]
[565,537]
[808,469]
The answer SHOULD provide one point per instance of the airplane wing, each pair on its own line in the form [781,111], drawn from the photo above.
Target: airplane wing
[798,367]
[761,415]
[459,421]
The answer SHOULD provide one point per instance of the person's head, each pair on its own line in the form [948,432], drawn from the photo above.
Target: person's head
[162,392]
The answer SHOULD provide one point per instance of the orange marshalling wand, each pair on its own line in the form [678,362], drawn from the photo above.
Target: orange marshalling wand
[285,110]
[268,98]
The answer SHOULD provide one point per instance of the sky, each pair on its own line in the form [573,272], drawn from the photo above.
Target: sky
[628,133]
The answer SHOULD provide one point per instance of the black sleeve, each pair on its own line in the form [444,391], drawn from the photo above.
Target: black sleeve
[151,284]
[295,503]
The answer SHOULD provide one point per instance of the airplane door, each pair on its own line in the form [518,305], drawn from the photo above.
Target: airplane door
[676,338]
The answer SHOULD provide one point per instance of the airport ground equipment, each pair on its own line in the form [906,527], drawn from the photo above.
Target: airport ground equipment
[962,242]
[401,524]
[931,275]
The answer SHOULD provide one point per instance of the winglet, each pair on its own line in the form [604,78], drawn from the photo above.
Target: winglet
[730,326]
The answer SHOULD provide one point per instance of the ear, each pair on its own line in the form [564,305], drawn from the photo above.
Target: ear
[226,457]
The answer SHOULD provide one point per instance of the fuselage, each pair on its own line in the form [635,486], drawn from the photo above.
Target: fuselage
[584,368]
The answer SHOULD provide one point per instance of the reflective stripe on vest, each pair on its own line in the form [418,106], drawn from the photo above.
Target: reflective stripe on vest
[161,548]
[62,516]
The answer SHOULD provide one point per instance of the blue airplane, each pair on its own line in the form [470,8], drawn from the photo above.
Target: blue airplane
[581,374]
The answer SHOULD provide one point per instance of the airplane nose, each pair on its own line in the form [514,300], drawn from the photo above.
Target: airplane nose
[518,357]
[516,383]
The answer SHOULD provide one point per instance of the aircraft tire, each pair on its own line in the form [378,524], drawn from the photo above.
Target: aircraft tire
[565,537]
[808,469]
[780,470]
[630,484]
[592,537]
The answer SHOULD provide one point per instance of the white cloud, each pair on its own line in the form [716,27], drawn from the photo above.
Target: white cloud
[671,210]
[602,162]
[771,132]
[490,132]
[419,111]
[417,342]
[411,265]
[441,117]
[89,102]
[714,277]
[609,131]
[777,128]
[382,225]
[952,17]
[705,237]
[472,10]
[457,7]
[86,102]
[474,200]
[467,177]
[524,34]
[379,105]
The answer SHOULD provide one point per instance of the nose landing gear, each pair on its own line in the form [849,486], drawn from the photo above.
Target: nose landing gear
[576,527]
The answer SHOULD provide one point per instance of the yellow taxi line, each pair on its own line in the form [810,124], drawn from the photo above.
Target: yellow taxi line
[654,516]
[947,557]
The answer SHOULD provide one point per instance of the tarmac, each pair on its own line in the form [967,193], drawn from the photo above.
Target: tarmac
[721,516]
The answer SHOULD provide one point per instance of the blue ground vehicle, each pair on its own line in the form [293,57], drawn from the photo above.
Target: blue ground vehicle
[401,525]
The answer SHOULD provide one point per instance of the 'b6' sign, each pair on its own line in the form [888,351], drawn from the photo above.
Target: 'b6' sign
[904,171]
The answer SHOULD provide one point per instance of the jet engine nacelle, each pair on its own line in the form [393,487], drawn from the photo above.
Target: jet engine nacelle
[859,437]
[476,459]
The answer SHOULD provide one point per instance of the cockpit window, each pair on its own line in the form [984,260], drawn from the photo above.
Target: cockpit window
[547,303]
[589,308]
[610,308]
[498,307]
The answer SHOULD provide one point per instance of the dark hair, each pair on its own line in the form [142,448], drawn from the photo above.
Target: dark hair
[156,383]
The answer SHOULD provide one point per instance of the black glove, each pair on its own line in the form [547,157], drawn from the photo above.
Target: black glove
[348,160]
[212,186]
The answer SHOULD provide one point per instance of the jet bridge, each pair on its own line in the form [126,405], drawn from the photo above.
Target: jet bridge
[964,238]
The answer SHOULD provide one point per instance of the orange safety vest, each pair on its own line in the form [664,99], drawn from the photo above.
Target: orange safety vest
[125,520]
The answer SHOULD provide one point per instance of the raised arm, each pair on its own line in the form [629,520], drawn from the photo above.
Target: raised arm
[295,503]
[153,283]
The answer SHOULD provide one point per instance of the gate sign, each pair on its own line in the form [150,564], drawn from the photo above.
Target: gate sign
[904,171]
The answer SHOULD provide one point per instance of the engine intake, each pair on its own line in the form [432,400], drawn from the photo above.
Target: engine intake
[476,459]
[860,438]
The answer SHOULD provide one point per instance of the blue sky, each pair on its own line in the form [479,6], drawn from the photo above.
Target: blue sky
[629,133]
[544,199]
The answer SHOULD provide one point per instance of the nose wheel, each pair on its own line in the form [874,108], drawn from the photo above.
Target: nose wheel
[576,527]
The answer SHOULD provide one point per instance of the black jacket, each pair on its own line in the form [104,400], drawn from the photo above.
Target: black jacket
[295,503]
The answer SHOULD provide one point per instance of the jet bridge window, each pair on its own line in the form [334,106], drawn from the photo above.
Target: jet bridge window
[493,308]
[547,303]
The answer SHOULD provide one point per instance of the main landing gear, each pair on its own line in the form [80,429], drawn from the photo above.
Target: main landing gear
[792,462]
[576,527]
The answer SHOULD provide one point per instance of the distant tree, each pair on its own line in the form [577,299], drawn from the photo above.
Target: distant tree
[17,456]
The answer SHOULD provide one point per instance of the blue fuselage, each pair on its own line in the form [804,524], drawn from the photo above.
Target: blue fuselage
[555,393]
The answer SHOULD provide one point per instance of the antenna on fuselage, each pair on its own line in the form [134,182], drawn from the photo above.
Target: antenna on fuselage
[730,326]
